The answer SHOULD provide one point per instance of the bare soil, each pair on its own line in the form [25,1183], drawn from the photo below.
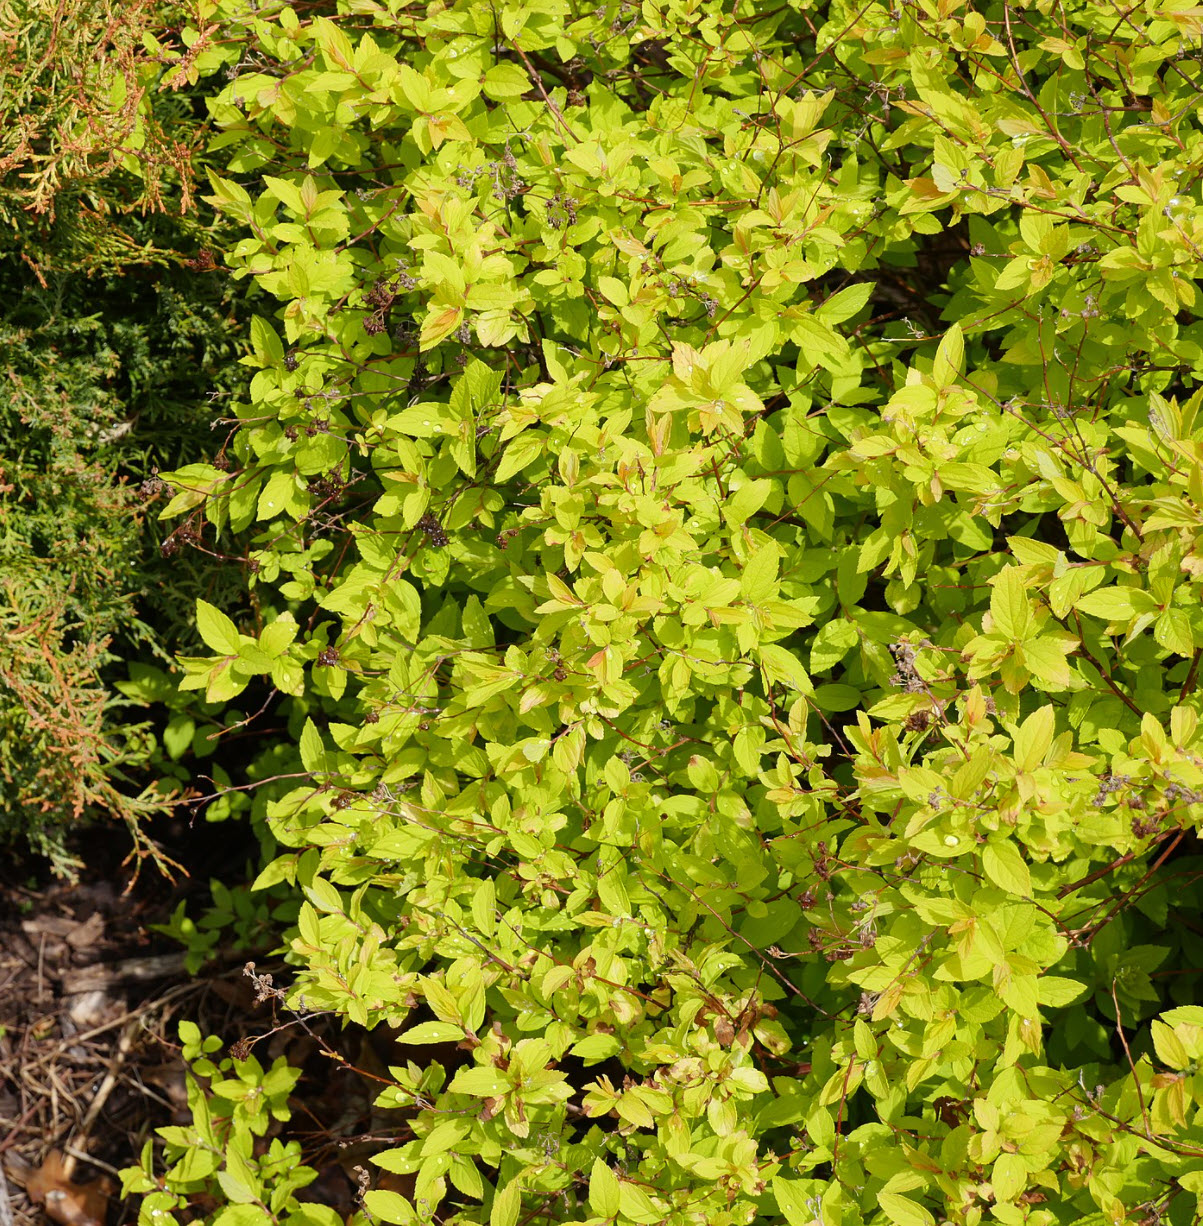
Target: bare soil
[90,1000]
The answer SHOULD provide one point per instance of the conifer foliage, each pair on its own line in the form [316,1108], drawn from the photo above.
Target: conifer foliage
[115,333]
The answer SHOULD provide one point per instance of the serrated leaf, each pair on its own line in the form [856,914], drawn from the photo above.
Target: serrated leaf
[792,1201]
[603,1190]
[1008,1177]
[432,1032]
[845,303]
[1034,738]
[832,644]
[506,1205]
[1184,1015]
[313,751]
[1116,604]
[781,665]
[1005,866]
[1169,1046]
[484,907]
[636,1205]
[390,1207]
[595,1047]
[480,1083]
[266,343]
[950,357]
[236,1190]
[216,629]
[324,896]
[439,324]
[903,1211]
[1172,630]
[1010,606]
[758,582]
[289,194]
[1058,992]
[518,455]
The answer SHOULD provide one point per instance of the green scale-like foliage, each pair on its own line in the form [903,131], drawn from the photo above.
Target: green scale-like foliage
[737,471]
[107,378]
[80,142]
[116,332]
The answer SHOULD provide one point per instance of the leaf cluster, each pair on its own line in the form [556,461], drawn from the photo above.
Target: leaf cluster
[724,488]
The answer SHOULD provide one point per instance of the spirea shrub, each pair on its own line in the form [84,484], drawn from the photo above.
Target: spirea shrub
[724,491]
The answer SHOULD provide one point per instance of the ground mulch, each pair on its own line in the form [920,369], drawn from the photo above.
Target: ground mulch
[90,999]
